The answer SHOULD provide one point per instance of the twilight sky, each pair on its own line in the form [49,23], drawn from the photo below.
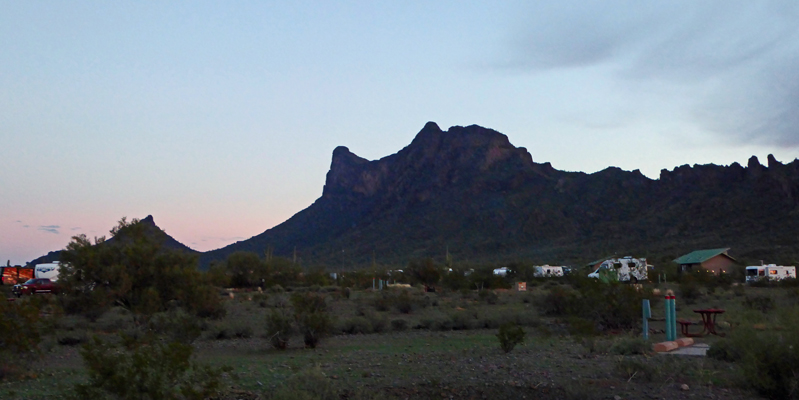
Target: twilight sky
[220,118]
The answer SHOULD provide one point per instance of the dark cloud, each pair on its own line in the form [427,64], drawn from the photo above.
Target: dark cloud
[737,59]
[77,228]
[50,228]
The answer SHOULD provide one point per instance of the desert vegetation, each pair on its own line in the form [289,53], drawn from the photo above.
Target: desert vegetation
[136,320]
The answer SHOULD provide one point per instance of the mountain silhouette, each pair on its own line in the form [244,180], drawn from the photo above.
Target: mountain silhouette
[470,193]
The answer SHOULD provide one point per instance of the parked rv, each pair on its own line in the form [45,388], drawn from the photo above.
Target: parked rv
[47,271]
[772,272]
[547,271]
[626,269]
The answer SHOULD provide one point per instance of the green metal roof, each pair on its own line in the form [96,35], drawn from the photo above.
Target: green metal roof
[701,256]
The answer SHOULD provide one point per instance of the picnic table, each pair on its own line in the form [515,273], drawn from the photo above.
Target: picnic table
[708,322]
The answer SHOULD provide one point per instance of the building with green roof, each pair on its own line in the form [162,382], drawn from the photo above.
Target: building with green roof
[716,261]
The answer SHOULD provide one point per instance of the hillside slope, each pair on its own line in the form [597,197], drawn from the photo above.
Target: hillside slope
[468,190]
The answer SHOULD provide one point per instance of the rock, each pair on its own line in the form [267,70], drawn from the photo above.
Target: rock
[684,387]
[616,397]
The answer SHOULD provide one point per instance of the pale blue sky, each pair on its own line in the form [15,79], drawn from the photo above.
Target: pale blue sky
[219,118]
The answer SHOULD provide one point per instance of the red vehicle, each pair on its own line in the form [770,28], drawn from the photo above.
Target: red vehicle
[33,286]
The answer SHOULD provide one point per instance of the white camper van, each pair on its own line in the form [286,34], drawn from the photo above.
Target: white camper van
[546,271]
[47,271]
[771,272]
[625,269]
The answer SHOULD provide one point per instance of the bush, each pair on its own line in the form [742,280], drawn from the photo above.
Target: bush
[312,319]
[399,325]
[404,303]
[19,335]
[489,296]
[559,301]
[177,325]
[725,350]
[761,303]
[771,364]
[690,291]
[279,329]
[314,326]
[630,346]
[378,322]
[462,321]
[356,325]
[509,336]
[145,370]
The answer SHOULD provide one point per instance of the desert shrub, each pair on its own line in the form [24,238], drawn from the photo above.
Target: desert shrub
[71,338]
[509,336]
[403,302]
[314,326]
[261,299]
[378,322]
[276,289]
[739,290]
[488,296]
[461,320]
[725,350]
[154,370]
[627,346]
[278,301]
[115,320]
[177,325]
[630,368]
[356,325]
[19,335]
[399,325]
[761,303]
[312,318]
[582,327]
[611,306]
[559,301]
[789,283]
[690,291]
[439,323]
[310,384]
[279,328]
[346,293]
[770,364]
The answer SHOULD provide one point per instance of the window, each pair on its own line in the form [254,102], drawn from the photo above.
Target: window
[772,272]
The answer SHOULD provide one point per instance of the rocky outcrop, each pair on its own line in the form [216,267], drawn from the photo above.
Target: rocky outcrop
[469,190]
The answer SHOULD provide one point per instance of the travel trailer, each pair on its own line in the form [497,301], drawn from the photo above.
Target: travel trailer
[47,271]
[626,269]
[771,272]
[546,271]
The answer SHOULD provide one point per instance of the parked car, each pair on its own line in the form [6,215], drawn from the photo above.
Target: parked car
[34,286]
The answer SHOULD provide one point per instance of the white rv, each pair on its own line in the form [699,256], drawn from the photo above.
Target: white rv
[626,269]
[771,272]
[47,271]
[546,271]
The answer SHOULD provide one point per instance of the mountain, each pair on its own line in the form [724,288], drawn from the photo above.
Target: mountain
[469,192]
[167,242]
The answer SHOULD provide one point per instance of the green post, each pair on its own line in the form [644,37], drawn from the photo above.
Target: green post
[669,319]
[647,314]
[673,318]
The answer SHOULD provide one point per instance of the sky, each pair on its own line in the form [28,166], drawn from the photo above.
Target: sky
[220,118]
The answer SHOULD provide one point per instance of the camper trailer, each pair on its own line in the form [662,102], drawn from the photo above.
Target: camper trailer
[547,271]
[47,271]
[626,269]
[772,272]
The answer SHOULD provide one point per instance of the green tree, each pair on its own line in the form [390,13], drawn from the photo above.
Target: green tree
[135,271]
[425,272]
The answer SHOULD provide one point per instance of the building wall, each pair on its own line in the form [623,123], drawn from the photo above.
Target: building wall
[719,263]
